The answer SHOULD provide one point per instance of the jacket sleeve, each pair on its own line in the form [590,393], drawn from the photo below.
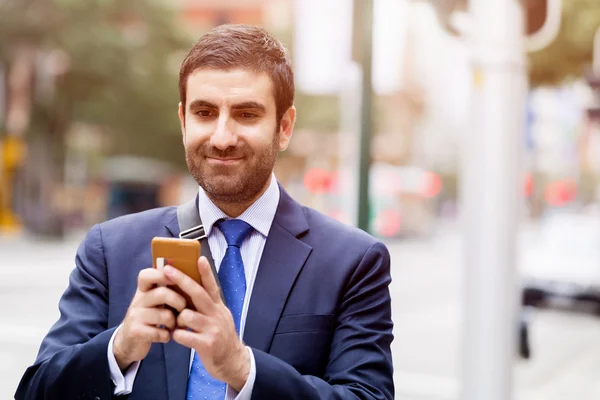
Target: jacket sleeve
[72,362]
[360,360]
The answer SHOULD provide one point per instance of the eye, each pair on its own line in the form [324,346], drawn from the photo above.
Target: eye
[248,115]
[204,113]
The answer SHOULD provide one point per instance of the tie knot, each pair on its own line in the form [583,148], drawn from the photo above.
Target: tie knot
[235,231]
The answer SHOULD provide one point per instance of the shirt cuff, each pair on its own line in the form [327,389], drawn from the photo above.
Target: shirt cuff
[246,392]
[123,383]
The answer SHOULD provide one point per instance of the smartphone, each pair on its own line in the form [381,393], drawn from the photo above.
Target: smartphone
[182,254]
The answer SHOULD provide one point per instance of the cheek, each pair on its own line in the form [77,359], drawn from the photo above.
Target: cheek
[258,142]
[195,133]
[260,136]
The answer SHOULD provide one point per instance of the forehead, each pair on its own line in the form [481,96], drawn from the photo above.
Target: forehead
[230,87]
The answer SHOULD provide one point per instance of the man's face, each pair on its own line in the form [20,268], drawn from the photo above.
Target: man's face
[230,132]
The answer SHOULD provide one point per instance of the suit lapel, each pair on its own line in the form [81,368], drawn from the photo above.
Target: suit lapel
[282,260]
[177,357]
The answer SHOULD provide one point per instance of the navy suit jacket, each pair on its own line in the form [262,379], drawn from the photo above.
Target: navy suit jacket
[319,320]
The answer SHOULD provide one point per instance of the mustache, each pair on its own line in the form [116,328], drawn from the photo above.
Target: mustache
[230,152]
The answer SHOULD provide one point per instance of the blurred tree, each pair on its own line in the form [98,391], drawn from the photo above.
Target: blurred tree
[572,50]
[319,113]
[108,63]
[120,71]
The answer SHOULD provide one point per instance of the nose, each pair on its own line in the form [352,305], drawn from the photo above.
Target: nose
[224,136]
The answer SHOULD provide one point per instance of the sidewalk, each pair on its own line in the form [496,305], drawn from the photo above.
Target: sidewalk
[37,262]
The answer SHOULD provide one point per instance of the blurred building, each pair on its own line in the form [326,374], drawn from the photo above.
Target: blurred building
[201,15]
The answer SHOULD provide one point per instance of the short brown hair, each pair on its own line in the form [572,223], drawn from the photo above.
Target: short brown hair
[233,46]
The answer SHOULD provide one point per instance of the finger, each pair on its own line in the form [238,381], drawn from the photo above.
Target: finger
[151,334]
[191,319]
[166,319]
[160,335]
[148,278]
[201,300]
[154,317]
[163,295]
[187,339]
[208,280]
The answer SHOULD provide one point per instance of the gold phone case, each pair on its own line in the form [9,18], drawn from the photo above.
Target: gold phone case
[182,254]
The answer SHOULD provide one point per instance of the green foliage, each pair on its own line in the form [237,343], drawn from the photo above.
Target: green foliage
[122,74]
[319,113]
[572,50]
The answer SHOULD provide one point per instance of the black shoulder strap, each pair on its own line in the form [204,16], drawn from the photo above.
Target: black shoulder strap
[190,226]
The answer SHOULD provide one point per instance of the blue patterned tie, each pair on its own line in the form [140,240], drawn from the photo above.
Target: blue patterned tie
[202,386]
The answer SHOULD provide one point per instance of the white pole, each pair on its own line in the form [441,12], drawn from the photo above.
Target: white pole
[490,197]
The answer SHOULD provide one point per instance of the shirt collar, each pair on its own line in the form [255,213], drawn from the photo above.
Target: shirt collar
[259,215]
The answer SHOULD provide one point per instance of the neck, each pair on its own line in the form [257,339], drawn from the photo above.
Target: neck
[235,209]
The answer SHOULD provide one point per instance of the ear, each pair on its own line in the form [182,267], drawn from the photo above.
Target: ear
[286,128]
[181,115]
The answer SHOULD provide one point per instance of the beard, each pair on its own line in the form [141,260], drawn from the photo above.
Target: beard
[233,183]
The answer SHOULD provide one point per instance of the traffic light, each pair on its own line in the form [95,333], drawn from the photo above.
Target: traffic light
[542,22]
[536,12]
[542,19]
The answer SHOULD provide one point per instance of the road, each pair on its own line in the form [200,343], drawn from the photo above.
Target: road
[427,311]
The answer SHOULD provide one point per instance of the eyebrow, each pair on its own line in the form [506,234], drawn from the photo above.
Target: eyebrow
[202,103]
[249,105]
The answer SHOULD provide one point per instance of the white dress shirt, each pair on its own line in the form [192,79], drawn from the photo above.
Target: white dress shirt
[260,216]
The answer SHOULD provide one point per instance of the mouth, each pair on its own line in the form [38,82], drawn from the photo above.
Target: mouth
[223,161]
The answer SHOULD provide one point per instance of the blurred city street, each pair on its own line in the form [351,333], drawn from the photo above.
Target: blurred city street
[426,293]
[411,116]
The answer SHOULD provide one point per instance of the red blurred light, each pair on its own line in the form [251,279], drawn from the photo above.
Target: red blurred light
[319,181]
[388,222]
[432,185]
[529,185]
[560,193]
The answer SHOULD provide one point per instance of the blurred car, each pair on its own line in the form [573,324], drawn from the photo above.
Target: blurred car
[133,183]
[561,265]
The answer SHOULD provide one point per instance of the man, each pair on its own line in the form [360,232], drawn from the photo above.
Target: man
[308,296]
